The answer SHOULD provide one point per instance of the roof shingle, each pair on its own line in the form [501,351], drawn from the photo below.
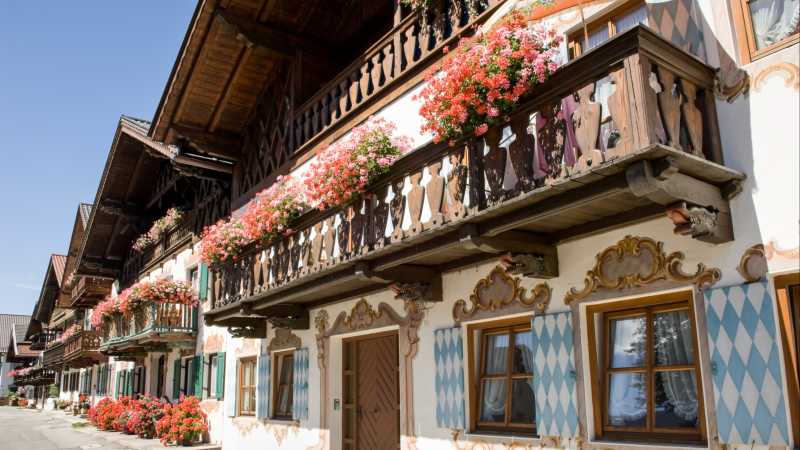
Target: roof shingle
[7,322]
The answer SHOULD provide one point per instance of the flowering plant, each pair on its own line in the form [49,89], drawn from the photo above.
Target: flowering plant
[341,172]
[125,406]
[143,419]
[75,328]
[182,423]
[273,209]
[160,226]
[159,291]
[223,241]
[104,413]
[106,308]
[482,84]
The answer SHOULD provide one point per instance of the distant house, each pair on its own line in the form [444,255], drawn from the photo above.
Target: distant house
[9,323]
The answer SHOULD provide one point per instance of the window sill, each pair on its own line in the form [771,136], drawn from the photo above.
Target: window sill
[290,422]
[648,445]
[522,439]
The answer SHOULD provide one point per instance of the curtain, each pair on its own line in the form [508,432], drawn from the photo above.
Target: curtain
[774,20]
[673,346]
[494,391]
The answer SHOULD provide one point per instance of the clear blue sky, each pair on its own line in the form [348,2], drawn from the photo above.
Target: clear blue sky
[67,72]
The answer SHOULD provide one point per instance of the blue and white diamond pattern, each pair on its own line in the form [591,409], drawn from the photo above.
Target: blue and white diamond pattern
[300,380]
[263,384]
[748,382]
[554,375]
[449,355]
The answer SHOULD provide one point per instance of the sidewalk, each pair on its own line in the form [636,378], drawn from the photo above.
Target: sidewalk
[122,440]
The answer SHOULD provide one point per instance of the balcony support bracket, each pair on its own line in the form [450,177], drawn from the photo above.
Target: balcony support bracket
[697,208]
[526,254]
[408,281]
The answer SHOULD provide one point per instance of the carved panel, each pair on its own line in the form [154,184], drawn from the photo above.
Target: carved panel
[284,338]
[499,291]
[638,261]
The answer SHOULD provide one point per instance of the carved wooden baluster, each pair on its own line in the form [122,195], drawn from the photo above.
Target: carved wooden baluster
[307,132]
[258,275]
[326,115]
[669,99]
[434,191]
[329,239]
[315,254]
[353,88]
[364,80]
[494,163]
[379,217]
[294,253]
[618,108]
[305,250]
[357,226]
[388,63]
[457,185]
[377,67]
[397,207]
[343,232]
[521,153]
[692,117]
[344,91]
[316,114]
[415,198]
[587,128]
[410,44]
[551,139]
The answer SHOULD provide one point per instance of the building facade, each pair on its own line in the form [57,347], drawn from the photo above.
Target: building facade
[615,265]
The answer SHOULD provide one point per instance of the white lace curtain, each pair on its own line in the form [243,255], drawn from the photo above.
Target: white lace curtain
[774,20]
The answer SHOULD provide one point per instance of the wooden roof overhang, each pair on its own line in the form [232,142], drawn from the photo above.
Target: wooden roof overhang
[233,48]
[646,179]
[82,215]
[46,303]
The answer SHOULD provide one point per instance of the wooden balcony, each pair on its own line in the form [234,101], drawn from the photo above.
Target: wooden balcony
[37,377]
[139,262]
[41,339]
[53,357]
[642,143]
[154,327]
[88,291]
[83,349]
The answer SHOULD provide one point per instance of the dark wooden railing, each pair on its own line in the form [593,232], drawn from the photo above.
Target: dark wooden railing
[80,343]
[38,376]
[87,291]
[626,95]
[53,356]
[41,339]
[137,262]
[151,320]
[404,49]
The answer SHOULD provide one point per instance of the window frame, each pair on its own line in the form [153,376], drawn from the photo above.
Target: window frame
[211,362]
[250,389]
[476,369]
[745,36]
[279,360]
[598,320]
[186,378]
[787,286]
[595,22]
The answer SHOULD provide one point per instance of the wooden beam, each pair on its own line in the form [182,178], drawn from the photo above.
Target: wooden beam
[244,54]
[279,43]
[222,145]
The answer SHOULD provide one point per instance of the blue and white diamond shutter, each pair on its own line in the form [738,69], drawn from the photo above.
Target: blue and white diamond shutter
[449,355]
[554,375]
[746,368]
[263,384]
[300,384]
[230,387]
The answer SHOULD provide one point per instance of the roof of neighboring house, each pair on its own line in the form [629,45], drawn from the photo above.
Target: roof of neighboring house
[7,322]
[58,267]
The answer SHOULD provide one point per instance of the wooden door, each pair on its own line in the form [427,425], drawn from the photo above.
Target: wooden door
[371,391]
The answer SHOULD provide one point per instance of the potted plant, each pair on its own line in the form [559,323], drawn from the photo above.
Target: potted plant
[183,423]
[83,404]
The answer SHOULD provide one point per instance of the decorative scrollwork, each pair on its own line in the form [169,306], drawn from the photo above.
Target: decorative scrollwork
[638,261]
[284,338]
[753,263]
[500,290]
[361,316]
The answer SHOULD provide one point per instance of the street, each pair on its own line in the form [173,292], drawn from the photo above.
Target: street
[26,429]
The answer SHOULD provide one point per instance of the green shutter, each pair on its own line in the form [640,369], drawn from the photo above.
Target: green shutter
[198,376]
[129,382]
[118,387]
[220,375]
[203,284]
[176,379]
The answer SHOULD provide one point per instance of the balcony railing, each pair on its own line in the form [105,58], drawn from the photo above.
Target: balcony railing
[82,348]
[87,291]
[640,136]
[53,356]
[40,340]
[39,376]
[162,322]
[402,51]
[138,262]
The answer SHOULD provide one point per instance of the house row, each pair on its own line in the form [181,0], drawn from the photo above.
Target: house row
[615,264]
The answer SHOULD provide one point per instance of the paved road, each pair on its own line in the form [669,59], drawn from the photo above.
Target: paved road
[24,429]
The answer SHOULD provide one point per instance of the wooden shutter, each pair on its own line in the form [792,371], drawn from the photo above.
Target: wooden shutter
[220,388]
[448,352]
[118,385]
[300,385]
[230,389]
[198,376]
[176,379]
[554,375]
[129,383]
[202,286]
[263,383]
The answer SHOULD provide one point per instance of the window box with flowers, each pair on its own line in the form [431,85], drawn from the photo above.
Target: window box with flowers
[160,227]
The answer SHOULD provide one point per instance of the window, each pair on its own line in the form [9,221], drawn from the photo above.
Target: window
[187,376]
[502,397]
[765,26]
[788,295]
[210,385]
[604,25]
[283,388]
[645,371]
[138,385]
[194,278]
[247,387]
[161,379]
